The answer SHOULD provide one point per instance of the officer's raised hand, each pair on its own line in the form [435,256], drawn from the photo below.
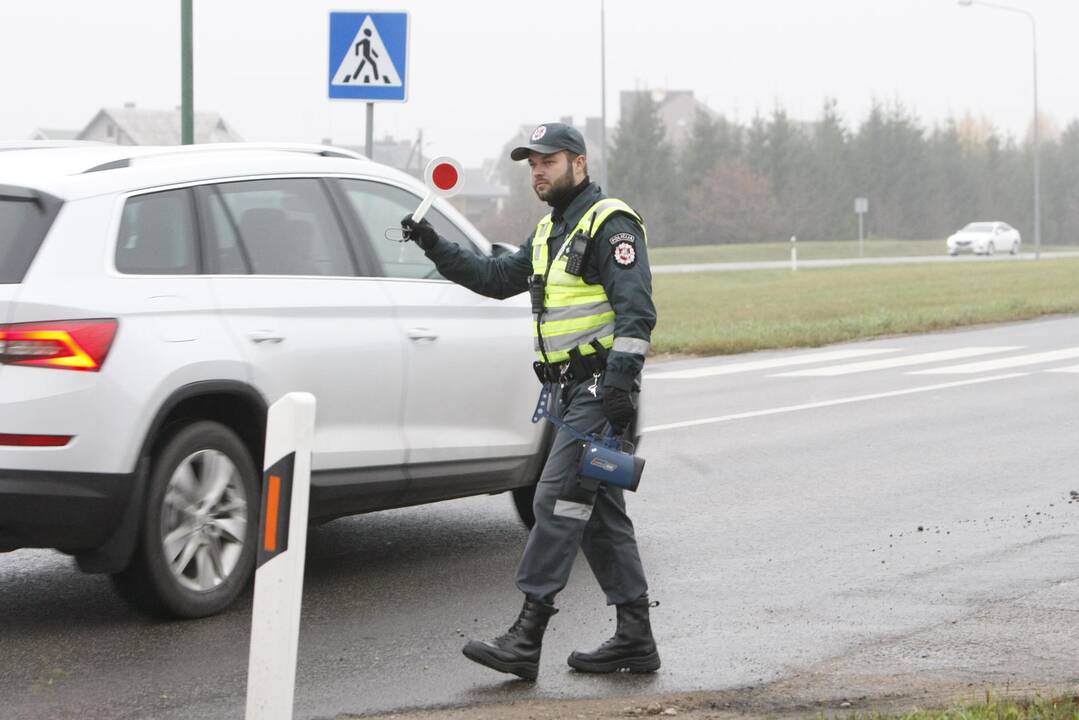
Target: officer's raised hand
[618,409]
[422,233]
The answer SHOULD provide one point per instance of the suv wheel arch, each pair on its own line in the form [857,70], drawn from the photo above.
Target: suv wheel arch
[187,404]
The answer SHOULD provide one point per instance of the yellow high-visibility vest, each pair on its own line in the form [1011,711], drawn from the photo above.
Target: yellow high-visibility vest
[575,312]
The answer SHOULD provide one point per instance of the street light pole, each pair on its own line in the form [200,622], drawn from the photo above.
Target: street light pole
[603,97]
[1037,140]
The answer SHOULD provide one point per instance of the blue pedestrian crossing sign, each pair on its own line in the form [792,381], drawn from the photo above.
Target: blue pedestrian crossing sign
[368,56]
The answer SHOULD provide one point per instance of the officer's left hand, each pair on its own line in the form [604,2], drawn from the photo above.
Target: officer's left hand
[618,409]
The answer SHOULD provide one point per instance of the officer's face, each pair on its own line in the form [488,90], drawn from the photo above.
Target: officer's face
[551,174]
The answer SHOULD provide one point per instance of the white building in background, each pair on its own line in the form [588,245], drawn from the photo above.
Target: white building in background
[677,110]
[134,126]
[54,134]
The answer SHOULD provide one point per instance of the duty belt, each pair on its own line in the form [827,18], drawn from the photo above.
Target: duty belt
[578,368]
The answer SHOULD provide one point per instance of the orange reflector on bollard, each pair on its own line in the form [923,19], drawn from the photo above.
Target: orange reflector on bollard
[273,500]
[277,482]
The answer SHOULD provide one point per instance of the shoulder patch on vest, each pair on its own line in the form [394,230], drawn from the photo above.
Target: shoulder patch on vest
[623,237]
[625,254]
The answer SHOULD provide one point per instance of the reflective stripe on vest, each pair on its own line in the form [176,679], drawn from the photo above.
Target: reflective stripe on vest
[576,313]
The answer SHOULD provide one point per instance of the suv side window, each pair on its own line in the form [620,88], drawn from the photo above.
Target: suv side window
[380,207]
[157,235]
[275,227]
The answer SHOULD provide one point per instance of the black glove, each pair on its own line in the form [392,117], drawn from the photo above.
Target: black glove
[422,233]
[618,409]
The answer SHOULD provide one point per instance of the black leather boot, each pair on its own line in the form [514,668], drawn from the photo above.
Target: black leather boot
[632,648]
[517,651]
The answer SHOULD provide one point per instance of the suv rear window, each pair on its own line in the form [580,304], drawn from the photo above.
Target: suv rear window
[25,219]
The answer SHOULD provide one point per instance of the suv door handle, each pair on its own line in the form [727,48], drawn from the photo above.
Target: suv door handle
[265,336]
[421,334]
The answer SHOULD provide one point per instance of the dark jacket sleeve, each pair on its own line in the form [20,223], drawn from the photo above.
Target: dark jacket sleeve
[619,262]
[499,277]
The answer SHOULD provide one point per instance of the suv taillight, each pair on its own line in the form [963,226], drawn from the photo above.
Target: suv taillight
[65,344]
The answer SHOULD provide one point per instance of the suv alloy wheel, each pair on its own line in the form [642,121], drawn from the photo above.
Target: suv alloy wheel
[196,548]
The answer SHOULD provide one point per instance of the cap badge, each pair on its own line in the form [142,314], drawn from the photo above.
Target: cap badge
[539,133]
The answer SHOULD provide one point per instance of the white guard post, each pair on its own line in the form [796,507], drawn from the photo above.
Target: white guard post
[794,253]
[282,542]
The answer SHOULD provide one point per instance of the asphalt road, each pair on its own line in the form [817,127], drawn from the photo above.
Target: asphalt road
[901,505]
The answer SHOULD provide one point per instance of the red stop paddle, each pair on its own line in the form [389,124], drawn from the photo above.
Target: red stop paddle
[444,178]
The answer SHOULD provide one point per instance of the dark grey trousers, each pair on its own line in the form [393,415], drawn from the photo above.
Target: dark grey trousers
[598,524]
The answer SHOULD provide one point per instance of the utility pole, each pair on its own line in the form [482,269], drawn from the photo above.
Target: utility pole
[603,97]
[1034,130]
[187,87]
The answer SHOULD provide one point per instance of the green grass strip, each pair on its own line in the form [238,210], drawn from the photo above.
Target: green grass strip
[994,709]
[735,312]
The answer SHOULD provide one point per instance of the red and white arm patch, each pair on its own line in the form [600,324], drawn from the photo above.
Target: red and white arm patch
[625,254]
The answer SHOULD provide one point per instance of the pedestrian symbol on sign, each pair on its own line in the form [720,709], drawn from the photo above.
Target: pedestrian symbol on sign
[368,63]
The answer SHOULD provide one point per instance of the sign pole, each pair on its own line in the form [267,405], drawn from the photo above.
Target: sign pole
[282,542]
[861,234]
[861,207]
[370,131]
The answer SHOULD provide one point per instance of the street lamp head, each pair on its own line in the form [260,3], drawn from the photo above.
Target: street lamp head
[966,3]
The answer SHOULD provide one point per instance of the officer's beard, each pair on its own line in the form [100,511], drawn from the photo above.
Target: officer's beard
[561,193]
[558,189]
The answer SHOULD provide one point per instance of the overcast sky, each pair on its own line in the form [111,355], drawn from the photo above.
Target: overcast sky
[479,69]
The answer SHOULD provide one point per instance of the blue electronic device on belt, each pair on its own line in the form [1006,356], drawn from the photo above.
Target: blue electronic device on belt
[605,459]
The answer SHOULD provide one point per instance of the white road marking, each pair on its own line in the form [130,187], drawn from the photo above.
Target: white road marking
[1002,364]
[827,403]
[919,359]
[750,365]
[1068,369]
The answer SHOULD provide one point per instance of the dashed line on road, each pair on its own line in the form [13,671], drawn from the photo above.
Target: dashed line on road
[894,362]
[1067,369]
[1002,363]
[767,364]
[828,403]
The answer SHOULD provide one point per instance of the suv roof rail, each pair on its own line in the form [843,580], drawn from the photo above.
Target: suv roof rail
[186,150]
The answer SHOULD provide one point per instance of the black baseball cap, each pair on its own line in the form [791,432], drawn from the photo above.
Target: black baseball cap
[550,138]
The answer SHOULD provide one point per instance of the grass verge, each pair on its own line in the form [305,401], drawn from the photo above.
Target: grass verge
[811,250]
[734,312]
[1066,708]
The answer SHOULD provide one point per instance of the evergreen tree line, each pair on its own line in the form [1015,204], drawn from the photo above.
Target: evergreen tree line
[775,177]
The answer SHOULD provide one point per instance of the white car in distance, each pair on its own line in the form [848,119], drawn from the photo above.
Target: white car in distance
[985,238]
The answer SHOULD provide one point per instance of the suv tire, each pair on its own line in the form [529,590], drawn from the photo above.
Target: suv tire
[202,510]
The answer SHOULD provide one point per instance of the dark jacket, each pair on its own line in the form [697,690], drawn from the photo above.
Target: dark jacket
[618,260]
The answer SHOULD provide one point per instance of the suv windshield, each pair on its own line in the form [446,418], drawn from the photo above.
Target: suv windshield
[25,218]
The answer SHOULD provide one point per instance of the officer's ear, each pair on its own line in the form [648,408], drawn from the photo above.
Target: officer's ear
[580,166]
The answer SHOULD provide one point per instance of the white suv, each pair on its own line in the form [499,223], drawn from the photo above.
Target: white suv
[155,301]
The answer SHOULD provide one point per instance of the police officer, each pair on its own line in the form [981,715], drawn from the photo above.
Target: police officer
[586,266]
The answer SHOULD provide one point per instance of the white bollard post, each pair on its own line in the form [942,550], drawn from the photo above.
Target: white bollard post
[794,253]
[282,542]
